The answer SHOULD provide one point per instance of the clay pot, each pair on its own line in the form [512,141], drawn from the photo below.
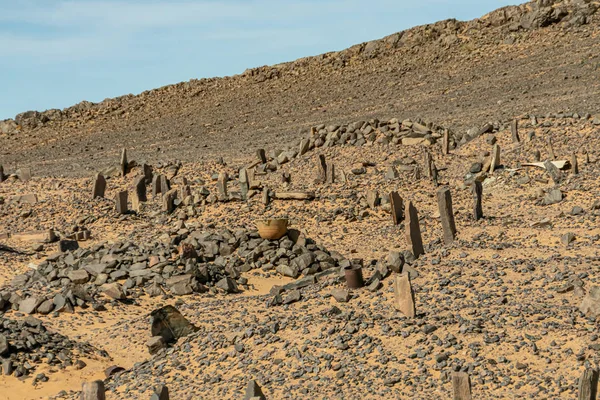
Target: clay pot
[272,229]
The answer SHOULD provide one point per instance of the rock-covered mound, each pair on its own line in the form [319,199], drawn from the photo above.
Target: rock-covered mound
[25,344]
[182,264]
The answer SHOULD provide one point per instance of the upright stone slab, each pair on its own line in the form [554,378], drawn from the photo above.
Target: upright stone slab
[124,162]
[514,131]
[495,160]
[24,174]
[155,185]
[461,386]
[93,391]
[537,156]
[147,171]
[477,191]
[222,185]
[160,393]
[373,199]
[427,160]
[244,183]
[553,171]
[413,230]
[396,207]
[165,184]
[185,191]
[434,174]
[404,297]
[1,173]
[304,146]
[446,142]
[262,156]
[551,149]
[574,164]
[121,202]
[139,185]
[322,166]
[588,385]
[446,214]
[168,204]
[253,391]
[265,196]
[330,171]
[99,186]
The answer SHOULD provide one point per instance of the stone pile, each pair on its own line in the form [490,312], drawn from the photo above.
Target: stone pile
[191,261]
[25,344]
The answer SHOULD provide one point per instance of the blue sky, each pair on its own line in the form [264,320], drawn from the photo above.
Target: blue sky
[56,53]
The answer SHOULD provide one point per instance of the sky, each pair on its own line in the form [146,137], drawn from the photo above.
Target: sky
[56,53]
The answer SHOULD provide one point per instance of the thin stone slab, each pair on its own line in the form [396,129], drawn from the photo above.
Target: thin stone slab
[588,385]
[461,386]
[495,160]
[222,185]
[304,146]
[165,184]
[139,185]
[93,391]
[427,160]
[266,199]
[446,214]
[121,202]
[514,131]
[404,297]
[413,230]
[155,185]
[2,176]
[553,171]
[99,186]
[168,201]
[160,393]
[551,149]
[262,156]
[24,174]
[477,191]
[372,198]
[330,172]
[574,164]
[124,162]
[253,391]
[396,207]
[446,142]
[322,166]
[244,183]
[148,174]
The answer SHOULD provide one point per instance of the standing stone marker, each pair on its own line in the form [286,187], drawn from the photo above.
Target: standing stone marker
[169,200]
[124,162]
[372,199]
[138,195]
[165,185]
[121,202]
[265,196]
[1,173]
[93,391]
[477,190]
[147,171]
[222,185]
[514,131]
[434,173]
[551,149]
[495,161]
[404,297]
[446,214]
[244,183]
[304,146]
[99,186]
[537,156]
[396,207]
[160,393]
[413,230]
[330,172]
[262,156]
[322,165]
[553,171]
[588,385]
[254,392]
[24,174]
[574,164]
[155,185]
[446,142]
[461,385]
[427,161]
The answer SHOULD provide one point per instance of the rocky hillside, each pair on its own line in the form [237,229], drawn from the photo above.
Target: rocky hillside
[532,58]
